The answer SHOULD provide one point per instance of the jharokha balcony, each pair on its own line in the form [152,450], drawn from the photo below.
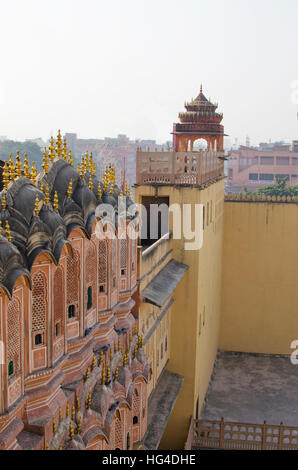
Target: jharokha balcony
[179,168]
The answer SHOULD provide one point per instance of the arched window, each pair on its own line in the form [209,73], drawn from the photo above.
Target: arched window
[91,265]
[13,337]
[89,297]
[59,301]
[73,283]
[10,368]
[135,420]
[102,265]
[39,304]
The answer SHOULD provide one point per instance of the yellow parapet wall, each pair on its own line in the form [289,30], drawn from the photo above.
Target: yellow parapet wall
[260,276]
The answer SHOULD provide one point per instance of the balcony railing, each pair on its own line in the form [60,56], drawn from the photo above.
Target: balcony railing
[179,168]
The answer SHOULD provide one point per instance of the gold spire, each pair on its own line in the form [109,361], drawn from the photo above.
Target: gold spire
[56,202]
[87,162]
[78,404]
[127,190]
[18,165]
[92,165]
[112,188]
[100,358]
[5,175]
[116,373]
[86,376]
[73,412]
[0,227]
[65,153]
[108,373]
[45,161]
[79,425]
[90,183]
[140,341]
[60,415]
[59,145]
[54,428]
[99,191]
[125,360]
[71,432]
[88,406]
[52,150]
[12,168]
[47,195]
[7,231]
[47,446]
[70,160]
[33,173]
[103,375]
[3,202]
[69,189]
[26,166]
[121,195]
[67,410]
[36,206]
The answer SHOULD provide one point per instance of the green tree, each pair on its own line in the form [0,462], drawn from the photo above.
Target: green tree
[33,150]
[279,188]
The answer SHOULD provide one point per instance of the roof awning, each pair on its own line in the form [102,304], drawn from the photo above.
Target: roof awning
[164,283]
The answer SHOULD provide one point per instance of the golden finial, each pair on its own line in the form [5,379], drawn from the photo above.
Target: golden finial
[45,161]
[90,183]
[87,162]
[5,174]
[79,425]
[125,360]
[33,173]
[12,168]
[56,202]
[54,428]
[70,160]
[52,150]
[67,410]
[26,166]
[60,447]
[58,144]
[108,373]
[18,164]
[112,188]
[77,404]
[86,376]
[65,153]
[83,165]
[127,189]
[36,206]
[100,358]
[121,195]
[47,195]
[47,447]
[103,375]
[60,415]
[99,191]
[3,202]
[7,231]
[69,189]
[41,187]
[73,412]
[0,227]
[92,165]
[88,405]
[71,432]
[116,373]
[140,341]
[130,337]
[93,363]
[115,347]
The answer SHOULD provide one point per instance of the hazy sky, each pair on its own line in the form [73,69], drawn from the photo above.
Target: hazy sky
[100,68]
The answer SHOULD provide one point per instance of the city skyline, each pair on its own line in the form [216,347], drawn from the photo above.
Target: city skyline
[116,68]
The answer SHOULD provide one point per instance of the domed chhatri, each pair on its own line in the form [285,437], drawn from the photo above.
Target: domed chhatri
[199,121]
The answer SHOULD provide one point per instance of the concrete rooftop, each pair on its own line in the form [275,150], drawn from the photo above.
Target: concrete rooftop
[251,388]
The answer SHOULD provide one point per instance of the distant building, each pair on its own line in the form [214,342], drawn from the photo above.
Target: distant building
[254,167]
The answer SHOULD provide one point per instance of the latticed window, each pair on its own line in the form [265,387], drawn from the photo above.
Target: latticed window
[118,431]
[102,265]
[39,306]
[135,407]
[73,283]
[123,253]
[114,261]
[58,301]
[14,337]
[90,269]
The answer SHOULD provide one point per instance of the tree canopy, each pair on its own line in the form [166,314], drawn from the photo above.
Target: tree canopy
[33,150]
[279,188]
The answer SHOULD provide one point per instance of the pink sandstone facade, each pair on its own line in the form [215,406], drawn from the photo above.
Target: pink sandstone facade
[74,374]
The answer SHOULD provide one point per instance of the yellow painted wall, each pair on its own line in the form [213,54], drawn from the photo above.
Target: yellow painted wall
[197,297]
[259,277]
